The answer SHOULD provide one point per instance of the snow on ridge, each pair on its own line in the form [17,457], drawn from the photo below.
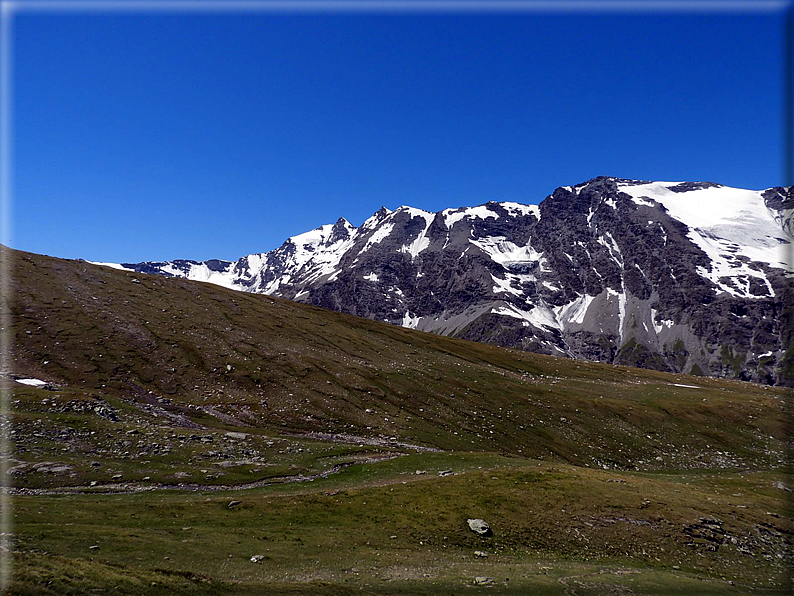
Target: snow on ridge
[255,262]
[376,218]
[725,223]
[314,255]
[452,216]
[518,209]
[722,214]
[201,272]
[318,236]
[112,265]
[312,237]
[325,262]
[703,207]
[414,212]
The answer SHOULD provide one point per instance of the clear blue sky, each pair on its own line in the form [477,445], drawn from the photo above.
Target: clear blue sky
[158,136]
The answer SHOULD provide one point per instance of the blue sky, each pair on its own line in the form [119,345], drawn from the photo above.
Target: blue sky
[156,136]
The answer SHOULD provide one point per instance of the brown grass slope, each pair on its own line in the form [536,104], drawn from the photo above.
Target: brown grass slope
[213,356]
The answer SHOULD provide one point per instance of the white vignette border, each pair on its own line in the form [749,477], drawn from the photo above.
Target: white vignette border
[8,8]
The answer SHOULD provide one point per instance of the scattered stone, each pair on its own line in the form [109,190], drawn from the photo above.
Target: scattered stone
[48,467]
[418,472]
[234,435]
[94,547]
[445,473]
[257,558]
[479,526]
[116,477]
[481,553]
[483,581]
[135,280]
[233,504]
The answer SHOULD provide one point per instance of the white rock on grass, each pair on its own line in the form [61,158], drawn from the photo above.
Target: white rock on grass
[479,526]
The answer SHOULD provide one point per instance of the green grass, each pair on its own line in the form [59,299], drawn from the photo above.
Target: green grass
[392,525]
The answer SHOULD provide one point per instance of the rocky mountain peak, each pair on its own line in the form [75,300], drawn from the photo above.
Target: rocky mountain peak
[680,276]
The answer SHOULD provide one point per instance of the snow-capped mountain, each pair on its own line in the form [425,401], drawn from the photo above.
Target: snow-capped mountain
[681,276]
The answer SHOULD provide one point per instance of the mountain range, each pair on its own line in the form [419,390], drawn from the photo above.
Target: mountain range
[676,276]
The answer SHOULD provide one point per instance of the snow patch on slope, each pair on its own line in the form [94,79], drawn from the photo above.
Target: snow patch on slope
[573,312]
[314,255]
[378,236]
[661,325]
[540,315]
[504,285]
[504,252]
[32,382]
[724,222]
[421,242]
[410,321]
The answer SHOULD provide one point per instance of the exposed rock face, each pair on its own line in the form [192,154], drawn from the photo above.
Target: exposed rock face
[684,277]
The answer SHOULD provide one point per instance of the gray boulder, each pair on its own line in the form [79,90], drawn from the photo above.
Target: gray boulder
[479,526]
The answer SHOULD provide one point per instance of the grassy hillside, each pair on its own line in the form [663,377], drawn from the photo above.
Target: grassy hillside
[358,450]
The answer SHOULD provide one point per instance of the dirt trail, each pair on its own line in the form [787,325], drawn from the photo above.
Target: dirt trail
[353,439]
[121,488]
[603,588]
